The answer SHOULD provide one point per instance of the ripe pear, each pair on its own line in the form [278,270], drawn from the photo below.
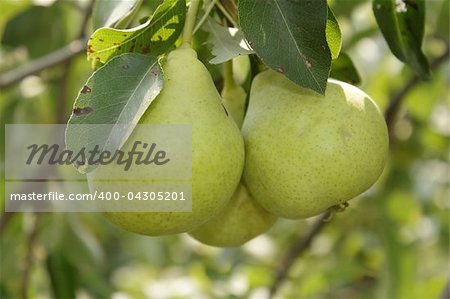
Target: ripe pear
[306,152]
[242,220]
[188,97]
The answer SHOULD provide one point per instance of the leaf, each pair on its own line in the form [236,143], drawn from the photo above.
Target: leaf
[227,43]
[334,35]
[118,94]
[290,38]
[343,69]
[106,13]
[153,37]
[62,273]
[39,41]
[10,8]
[402,24]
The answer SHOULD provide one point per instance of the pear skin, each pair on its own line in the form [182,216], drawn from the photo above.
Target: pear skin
[306,152]
[189,97]
[242,220]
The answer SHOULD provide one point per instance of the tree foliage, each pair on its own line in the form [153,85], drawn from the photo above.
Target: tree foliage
[392,242]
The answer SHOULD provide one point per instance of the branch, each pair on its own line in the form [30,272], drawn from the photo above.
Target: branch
[296,250]
[44,62]
[445,292]
[395,103]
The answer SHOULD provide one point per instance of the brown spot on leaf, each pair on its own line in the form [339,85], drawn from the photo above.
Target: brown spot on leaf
[280,69]
[97,58]
[145,49]
[307,63]
[90,50]
[101,40]
[160,38]
[82,111]
[86,89]
[125,35]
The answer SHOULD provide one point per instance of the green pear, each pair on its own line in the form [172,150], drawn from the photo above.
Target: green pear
[188,97]
[242,220]
[306,152]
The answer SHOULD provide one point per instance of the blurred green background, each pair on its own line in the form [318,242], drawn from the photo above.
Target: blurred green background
[391,243]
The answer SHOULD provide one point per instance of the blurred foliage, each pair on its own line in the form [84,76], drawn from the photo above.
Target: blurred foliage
[391,243]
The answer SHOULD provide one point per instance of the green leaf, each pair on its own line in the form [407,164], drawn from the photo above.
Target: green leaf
[106,13]
[227,43]
[10,8]
[402,24]
[40,40]
[118,94]
[343,69]
[334,35]
[154,37]
[290,38]
[62,273]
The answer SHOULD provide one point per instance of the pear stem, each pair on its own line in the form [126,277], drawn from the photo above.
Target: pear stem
[228,79]
[227,14]
[191,17]
[208,6]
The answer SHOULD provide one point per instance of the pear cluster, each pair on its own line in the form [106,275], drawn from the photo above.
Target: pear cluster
[298,153]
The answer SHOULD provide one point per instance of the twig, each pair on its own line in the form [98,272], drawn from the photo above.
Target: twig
[40,64]
[63,81]
[208,9]
[296,250]
[58,56]
[230,6]
[395,102]
[227,14]
[86,16]
[445,292]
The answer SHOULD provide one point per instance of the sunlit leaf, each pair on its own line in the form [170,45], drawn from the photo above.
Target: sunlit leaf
[334,35]
[227,43]
[106,13]
[154,37]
